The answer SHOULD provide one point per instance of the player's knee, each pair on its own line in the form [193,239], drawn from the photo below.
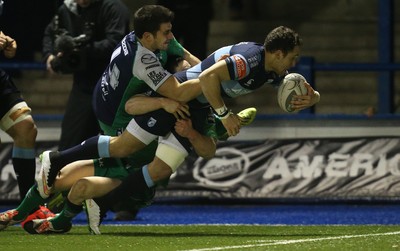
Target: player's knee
[24,133]
[29,129]
[171,156]
[80,188]
[19,112]
[159,171]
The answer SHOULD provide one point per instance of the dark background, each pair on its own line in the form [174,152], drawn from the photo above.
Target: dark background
[25,21]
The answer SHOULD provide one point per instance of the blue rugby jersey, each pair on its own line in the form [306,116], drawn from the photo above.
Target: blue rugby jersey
[246,69]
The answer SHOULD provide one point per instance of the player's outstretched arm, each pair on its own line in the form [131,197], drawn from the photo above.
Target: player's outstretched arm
[210,82]
[141,104]
[184,92]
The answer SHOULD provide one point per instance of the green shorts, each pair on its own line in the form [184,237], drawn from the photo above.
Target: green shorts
[120,169]
[111,168]
[138,159]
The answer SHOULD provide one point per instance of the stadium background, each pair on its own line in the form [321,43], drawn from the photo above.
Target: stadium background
[349,54]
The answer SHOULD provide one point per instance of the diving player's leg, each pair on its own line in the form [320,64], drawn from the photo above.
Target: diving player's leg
[84,188]
[53,161]
[141,130]
[131,140]
[170,154]
[79,178]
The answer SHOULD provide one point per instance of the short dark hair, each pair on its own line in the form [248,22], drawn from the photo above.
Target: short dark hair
[172,63]
[282,38]
[149,18]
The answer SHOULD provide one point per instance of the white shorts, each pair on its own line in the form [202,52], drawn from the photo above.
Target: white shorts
[141,134]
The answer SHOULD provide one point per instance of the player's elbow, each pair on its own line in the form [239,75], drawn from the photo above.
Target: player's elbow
[129,107]
[204,79]
[208,81]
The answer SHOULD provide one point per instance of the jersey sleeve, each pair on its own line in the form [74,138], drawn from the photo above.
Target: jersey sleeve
[147,67]
[175,48]
[238,66]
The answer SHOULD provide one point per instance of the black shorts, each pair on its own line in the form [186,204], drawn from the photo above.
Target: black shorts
[9,93]
[161,123]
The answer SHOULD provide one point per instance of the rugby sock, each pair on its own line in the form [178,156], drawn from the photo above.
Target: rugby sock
[24,163]
[65,217]
[31,202]
[146,175]
[92,148]
[134,182]
[222,134]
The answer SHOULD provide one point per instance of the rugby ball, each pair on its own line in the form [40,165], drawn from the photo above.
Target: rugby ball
[292,84]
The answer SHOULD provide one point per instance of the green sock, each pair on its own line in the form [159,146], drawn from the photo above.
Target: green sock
[222,134]
[65,217]
[31,201]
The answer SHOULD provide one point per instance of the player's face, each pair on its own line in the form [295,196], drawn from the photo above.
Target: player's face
[163,36]
[285,62]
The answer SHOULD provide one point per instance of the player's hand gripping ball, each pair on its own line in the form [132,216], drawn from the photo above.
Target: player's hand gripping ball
[292,84]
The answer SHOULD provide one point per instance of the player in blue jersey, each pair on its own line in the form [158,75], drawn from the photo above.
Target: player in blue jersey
[248,67]
[135,50]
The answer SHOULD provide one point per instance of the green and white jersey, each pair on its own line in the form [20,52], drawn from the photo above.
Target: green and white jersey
[133,69]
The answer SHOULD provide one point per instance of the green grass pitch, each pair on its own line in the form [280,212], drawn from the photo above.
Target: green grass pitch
[209,238]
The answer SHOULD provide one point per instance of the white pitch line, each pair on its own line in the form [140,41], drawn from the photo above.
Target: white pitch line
[292,241]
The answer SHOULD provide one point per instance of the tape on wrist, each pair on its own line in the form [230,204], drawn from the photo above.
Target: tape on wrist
[222,111]
[224,116]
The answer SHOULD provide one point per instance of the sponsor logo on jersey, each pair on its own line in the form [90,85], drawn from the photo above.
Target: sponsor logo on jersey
[114,77]
[156,77]
[151,122]
[249,82]
[152,66]
[119,131]
[240,66]
[253,61]
[104,88]
[124,47]
[148,59]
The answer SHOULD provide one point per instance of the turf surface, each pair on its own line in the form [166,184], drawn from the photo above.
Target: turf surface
[204,227]
[288,214]
[210,237]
